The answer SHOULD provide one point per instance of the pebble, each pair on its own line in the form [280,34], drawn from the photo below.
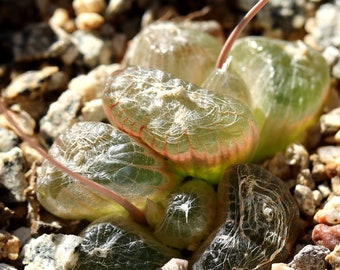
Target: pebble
[25,46]
[93,111]
[281,266]
[329,154]
[317,197]
[335,185]
[334,258]
[280,17]
[81,6]
[330,213]
[4,266]
[327,236]
[324,190]
[61,115]
[324,34]
[5,216]
[289,163]
[9,246]
[53,252]
[175,264]
[91,85]
[89,21]
[8,139]
[330,122]
[12,177]
[305,178]
[30,84]
[311,257]
[305,199]
[94,50]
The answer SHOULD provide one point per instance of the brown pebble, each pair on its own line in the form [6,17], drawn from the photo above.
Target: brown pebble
[327,236]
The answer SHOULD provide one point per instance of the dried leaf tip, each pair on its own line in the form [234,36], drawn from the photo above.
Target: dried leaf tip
[237,30]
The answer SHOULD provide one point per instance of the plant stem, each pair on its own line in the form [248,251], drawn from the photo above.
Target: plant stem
[133,211]
[237,30]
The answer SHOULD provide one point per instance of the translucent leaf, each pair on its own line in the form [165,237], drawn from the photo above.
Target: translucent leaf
[258,222]
[200,131]
[109,157]
[176,48]
[288,84]
[118,243]
[186,217]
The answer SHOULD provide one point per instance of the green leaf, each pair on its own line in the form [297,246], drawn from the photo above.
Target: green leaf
[118,243]
[200,131]
[109,157]
[288,83]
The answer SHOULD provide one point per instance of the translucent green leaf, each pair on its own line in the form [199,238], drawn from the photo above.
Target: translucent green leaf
[118,243]
[200,131]
[109,157]
[186,216]
[288,84]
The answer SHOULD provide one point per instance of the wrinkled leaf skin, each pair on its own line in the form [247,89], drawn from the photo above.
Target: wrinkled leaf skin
[109,157]
[258,217]
[118,243]
[200,131]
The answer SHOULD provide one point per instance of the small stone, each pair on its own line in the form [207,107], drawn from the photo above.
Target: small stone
[93,49]
[305,199]
[335,184]
[305,178]
[12,175]
[310,258]
[330,213]
[93,111]
[8,139]
[281,266]
[81,6]
[327,236]
[9,246]
[317,197]
[60,18]
[325,190]
[333,258]
[329,154]
[175,264]
[31,155]
[61,115]
[331,54]
[330,122]
[86,86]
[22,119]
[53,252]
[88,21]
[4,266]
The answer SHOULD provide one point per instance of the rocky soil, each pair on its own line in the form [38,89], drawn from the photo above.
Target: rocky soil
[55,57]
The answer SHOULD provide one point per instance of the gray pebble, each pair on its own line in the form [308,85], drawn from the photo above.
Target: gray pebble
[4,266]
[51,251]
[310,258]
[12,175]
[8,139]
[61,115]
[94,50]
[305,199]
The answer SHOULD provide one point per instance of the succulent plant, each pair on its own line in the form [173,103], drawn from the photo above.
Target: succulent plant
[172,142]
